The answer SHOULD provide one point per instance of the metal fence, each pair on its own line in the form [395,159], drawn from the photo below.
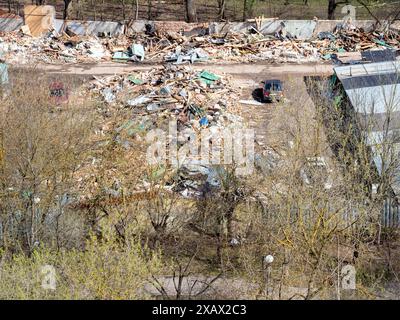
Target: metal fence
[390,215]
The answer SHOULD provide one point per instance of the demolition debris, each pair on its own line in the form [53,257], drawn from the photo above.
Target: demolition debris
[170,46]
[200,103]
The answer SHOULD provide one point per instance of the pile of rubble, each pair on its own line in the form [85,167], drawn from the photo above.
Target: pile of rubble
[175,89]
[235,47]
[355,40]
[53,48]
[174,47]
[20,49]
[200,102]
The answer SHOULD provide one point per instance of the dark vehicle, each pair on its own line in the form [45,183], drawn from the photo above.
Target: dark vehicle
[272,90]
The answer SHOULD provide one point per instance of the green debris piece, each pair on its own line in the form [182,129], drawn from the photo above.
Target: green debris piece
[27,194]
[208,77]
[121,56]
[158,173]
[341,50]
[332,80]
[138,51]
[135,80]
[196,110]
[337,100]
[141,127]
[132,128]
[327,56]
[381,43]
[126,125]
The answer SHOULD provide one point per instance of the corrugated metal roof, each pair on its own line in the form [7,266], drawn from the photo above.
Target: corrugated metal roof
[372,88]
[374,91]
[377,68]
[379,55]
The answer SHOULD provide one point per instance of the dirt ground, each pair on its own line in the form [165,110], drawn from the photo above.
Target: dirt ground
[246,78]
[240,71]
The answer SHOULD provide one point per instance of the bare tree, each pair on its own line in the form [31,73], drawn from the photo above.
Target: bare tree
[332,5]
[136,9]
[191,12]
[247,8]
[38,163]
[66,6]
[123,10]
[93,5]
[221,9]
[149,9]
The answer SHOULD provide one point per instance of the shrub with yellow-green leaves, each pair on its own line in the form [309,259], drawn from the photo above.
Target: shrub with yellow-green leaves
[106,269]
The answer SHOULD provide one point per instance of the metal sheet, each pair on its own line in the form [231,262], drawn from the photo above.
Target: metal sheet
[372,88]
[95,27]
[301,29]
[7,24]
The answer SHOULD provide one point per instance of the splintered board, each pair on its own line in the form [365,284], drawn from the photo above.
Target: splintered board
[39,19]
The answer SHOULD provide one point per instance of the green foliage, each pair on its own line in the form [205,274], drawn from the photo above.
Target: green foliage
[106,269]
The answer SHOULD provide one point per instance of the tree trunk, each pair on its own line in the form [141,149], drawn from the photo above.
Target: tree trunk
[331,9]
[191,13]
[123,10]
[66,6]
[93,3]
[244,10]
[136,9]
[149,13]
[221,9]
